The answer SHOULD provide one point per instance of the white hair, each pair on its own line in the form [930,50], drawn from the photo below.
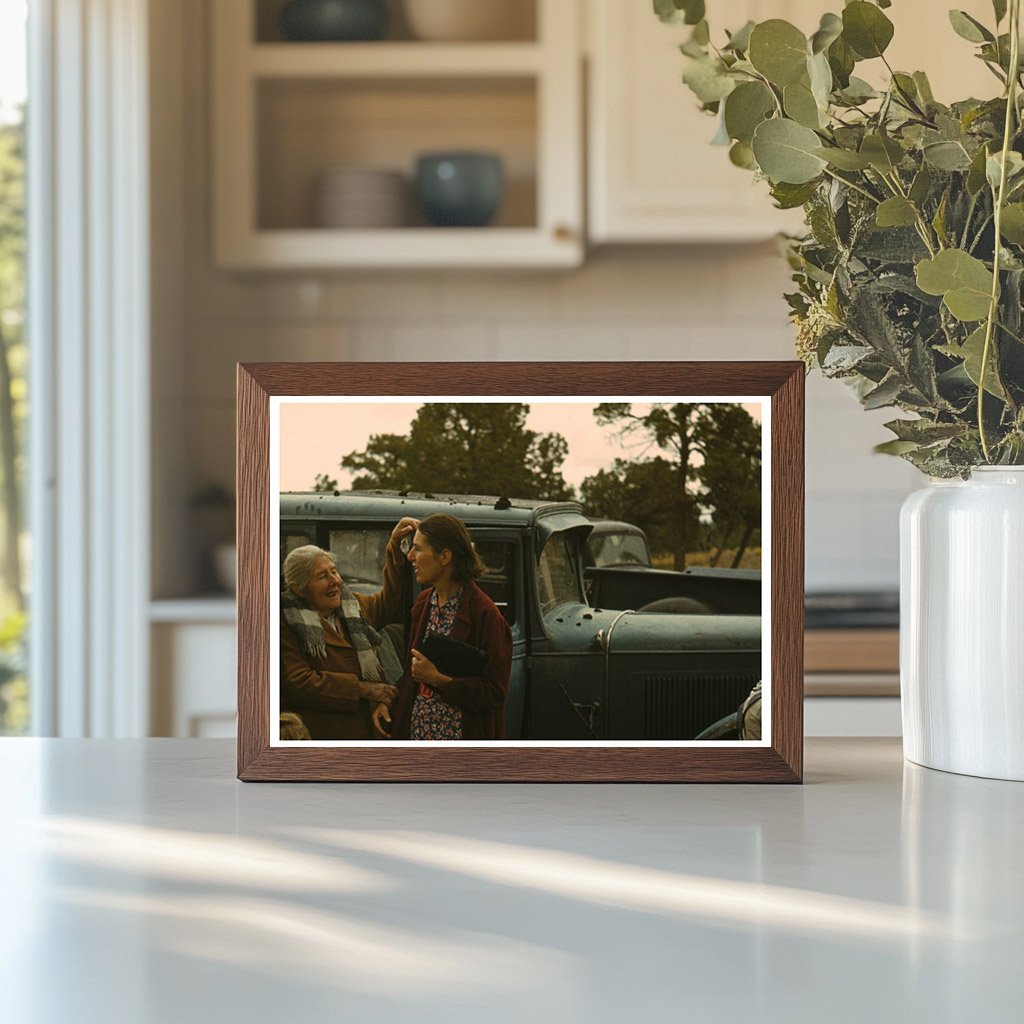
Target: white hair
[298,567]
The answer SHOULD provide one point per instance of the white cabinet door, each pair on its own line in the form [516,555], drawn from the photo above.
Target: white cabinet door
[653,174]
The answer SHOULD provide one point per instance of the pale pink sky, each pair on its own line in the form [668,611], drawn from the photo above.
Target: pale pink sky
[315,436]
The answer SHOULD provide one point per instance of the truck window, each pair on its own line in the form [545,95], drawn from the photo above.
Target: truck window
[557,582]
[360,554]
[499,582]
[619,549]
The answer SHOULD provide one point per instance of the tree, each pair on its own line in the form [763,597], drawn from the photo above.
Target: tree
[325,483]
[465,448]
[12,349]
[691,435]
[731,478]
[643,493]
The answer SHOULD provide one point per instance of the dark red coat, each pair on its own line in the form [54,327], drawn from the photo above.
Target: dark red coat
[481,698]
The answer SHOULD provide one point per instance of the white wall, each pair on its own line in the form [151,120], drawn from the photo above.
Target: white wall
[636,304]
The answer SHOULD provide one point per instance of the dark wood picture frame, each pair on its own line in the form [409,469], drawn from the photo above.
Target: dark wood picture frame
[781,761]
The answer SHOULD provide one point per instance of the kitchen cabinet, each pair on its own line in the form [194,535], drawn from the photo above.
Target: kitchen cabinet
[653,175]
[286,113]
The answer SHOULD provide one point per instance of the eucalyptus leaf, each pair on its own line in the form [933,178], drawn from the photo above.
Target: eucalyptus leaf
[779,51]
[844,159]
[921,185]
[739,41]
[924,88]
[895,447]
[963,281]
[708,81]
[745,108]
[820,75]
[675,12]
[800,105]
[1011,225]
[858,91]
[947,156]
[841,60]
[968,28]
[866,29]
[785,152]
[971,352]
[994,168]
[741,155]
[885,394]
[923,431]
[701,33]
[788,196]
[895,212]
[883,153]
[999,7]
[829,30]
[976,174]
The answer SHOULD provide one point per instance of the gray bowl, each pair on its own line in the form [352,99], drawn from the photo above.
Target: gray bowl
[460,189]
[334,20]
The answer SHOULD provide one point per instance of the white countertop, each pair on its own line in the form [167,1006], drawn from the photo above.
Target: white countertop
[145,885]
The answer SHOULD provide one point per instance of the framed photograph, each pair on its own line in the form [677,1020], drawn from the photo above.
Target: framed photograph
[520,572]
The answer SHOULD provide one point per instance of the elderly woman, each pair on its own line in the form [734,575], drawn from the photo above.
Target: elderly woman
[431,704]
[333,660]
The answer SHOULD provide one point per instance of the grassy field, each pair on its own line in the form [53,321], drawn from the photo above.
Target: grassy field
[751,559]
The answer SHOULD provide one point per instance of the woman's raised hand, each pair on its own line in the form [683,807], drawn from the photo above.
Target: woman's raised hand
[405,526]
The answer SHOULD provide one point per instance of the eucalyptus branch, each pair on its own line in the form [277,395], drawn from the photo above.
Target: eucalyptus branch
[855,187]
[993,308]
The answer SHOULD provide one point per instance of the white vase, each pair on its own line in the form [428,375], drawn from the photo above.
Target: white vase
[962,624]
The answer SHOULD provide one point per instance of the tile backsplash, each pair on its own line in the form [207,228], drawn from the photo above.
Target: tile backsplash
[636,304]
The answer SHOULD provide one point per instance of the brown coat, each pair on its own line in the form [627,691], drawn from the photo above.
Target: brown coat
[326,696]
[481,698]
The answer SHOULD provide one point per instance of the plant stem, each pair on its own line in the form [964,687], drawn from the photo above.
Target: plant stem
[922,225]
[855,187]
[993,308]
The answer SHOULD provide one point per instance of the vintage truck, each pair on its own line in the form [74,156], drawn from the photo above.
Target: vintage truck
[581,670]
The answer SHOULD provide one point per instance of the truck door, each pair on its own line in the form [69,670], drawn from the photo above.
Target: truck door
[567,679]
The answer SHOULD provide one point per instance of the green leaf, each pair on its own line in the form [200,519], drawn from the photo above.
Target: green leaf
[883,153]
[789,197]
[707,80]
[820,76]
[742,155]
[963,281]
[976,175]
[885,394]
[924,88]
[1011,226]
[895,447]
[866,29]
[921,186]
[994,167]
[971,352]
[778,50]
[923,431]
[939,220]
[739,41]
[830,29]
[800,105]
[946,156]
[785,152]
[999,7]
[675,12]
[844,159]
[968,28]
[896,212]
[745,108]
[841,60]
[701,33]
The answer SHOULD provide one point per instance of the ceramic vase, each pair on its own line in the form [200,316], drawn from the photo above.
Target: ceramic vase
[962,624]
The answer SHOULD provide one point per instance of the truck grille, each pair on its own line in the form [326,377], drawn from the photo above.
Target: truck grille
[678,707]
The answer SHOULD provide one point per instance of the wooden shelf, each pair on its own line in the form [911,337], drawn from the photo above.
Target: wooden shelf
[392,60]
[852,650]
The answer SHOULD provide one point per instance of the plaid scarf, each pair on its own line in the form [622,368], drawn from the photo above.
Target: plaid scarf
[377,661]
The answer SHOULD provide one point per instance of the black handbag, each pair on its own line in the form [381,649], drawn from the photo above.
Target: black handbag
[453,657]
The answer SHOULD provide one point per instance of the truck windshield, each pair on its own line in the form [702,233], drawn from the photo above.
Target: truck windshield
[557,581]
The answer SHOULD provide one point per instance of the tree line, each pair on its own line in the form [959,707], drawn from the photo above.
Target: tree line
[695,485]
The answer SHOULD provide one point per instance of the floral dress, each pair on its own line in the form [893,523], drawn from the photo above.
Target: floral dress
[433,718]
